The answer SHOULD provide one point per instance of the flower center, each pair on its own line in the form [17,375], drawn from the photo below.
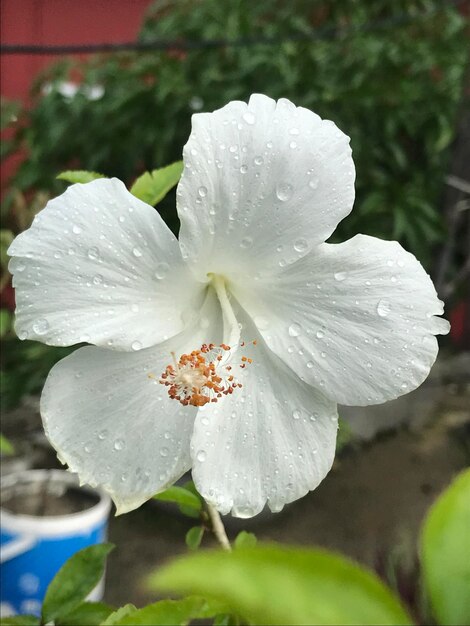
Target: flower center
[201,376]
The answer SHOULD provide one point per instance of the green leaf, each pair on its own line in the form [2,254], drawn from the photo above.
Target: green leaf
[171,612]
[181,496]
[273,584]
[74,581]
[86,614]
[5,322]
[245,540]
[153,186]
[5,446]
[194,537]
[19,620]
[119,614]
[79,176]
[445,550]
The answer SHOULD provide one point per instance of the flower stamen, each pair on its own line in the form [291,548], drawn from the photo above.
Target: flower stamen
[202,375]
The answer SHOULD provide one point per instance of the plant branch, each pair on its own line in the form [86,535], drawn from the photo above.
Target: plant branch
[218,527]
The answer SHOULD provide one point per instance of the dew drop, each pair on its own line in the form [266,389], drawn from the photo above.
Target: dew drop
[103,434]
[98,279]
[41,326]
[76,229]
[119,444]
[261,322]
[293,145]
[296,414]
[310,364]
[202,191]
[201,456]
[161,271]
[313,183]
[284,191]
[136,345]
[93,253]
[164,452]
[137,252]
[249,118]
[320,334]
[383,308]
[339,276]
[294,330]
[300,245]
[258,160]
[244,169]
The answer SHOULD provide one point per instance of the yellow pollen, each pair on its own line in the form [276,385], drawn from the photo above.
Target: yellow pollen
[200,376]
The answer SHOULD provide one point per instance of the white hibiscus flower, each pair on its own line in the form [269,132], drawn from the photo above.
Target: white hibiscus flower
[297,324]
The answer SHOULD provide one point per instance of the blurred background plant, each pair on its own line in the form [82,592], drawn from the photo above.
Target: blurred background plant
[389,74]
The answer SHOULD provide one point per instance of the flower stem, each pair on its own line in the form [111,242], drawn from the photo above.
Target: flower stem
[218,527]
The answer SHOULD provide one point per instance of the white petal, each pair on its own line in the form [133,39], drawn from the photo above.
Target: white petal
[356,319]
[113,423]
[100,266]
[254,173]
[271,441]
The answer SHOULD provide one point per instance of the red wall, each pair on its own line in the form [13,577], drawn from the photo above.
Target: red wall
[57,22]
[60,22]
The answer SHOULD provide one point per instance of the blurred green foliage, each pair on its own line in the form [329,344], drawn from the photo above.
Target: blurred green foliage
[389,74]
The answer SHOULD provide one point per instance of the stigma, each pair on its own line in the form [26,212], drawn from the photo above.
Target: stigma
[203,375]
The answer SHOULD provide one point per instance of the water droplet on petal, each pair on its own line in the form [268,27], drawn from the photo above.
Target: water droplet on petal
[164,452]
[136,345]
[119,444]
[300,245]
[261,322]
[202,191]
[41,326]
[98,279]
[93,253]
[161,271]
[201,456]
[284,191]
[76,229]
[383,308]
[320,334]
[244,169]
[103,434]
[340,276]
[249,118]
[137,252]
[258,160]
[295,330]
[313,183]
[296,414]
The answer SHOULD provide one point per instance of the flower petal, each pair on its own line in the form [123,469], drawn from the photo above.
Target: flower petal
[356,319]
[114,424]
[254,172]
[100,266]
[271,441]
